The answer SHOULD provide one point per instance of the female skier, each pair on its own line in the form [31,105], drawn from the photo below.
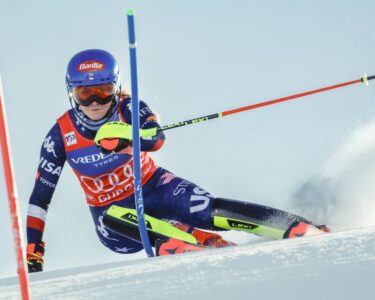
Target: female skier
[94,90]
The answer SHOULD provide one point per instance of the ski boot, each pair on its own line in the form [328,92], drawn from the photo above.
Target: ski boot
[171,246]
[299,229]
[205,238]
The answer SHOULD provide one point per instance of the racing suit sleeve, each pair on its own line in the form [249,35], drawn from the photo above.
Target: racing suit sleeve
[52,159]
[147,120]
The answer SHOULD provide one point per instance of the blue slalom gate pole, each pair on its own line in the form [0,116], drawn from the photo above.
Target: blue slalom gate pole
[136,137]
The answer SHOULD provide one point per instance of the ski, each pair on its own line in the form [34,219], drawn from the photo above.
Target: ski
[125,222]
[167,238]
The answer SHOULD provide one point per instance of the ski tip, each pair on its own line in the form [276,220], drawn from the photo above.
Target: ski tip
[131,12]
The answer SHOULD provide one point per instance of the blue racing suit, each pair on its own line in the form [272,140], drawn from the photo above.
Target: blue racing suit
[106,179]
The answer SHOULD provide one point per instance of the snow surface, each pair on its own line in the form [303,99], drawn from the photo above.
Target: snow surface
[339,265]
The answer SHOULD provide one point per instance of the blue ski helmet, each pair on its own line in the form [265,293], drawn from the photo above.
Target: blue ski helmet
[92,67]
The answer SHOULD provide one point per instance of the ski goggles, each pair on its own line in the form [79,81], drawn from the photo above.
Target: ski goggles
[102,94]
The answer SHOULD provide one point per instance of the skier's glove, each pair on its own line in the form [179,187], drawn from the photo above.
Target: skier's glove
[34,256]
[113,145]
[116,136]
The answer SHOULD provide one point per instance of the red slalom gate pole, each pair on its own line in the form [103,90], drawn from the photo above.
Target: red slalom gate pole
[13,201]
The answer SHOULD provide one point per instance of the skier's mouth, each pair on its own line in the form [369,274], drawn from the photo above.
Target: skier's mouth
[96,109]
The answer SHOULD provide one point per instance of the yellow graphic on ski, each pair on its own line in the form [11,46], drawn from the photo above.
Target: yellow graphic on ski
[248,226]
[125,222]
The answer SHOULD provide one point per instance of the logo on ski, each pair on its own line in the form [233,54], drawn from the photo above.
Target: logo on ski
[134,219]
[241,225]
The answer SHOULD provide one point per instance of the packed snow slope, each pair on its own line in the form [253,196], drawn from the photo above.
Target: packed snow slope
[339,265]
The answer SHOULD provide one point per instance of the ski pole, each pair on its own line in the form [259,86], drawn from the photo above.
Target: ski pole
[365,79]
[136,137]
[122,132]
[13,201]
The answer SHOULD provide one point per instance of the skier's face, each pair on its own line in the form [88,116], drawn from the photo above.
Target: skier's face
[96,111]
